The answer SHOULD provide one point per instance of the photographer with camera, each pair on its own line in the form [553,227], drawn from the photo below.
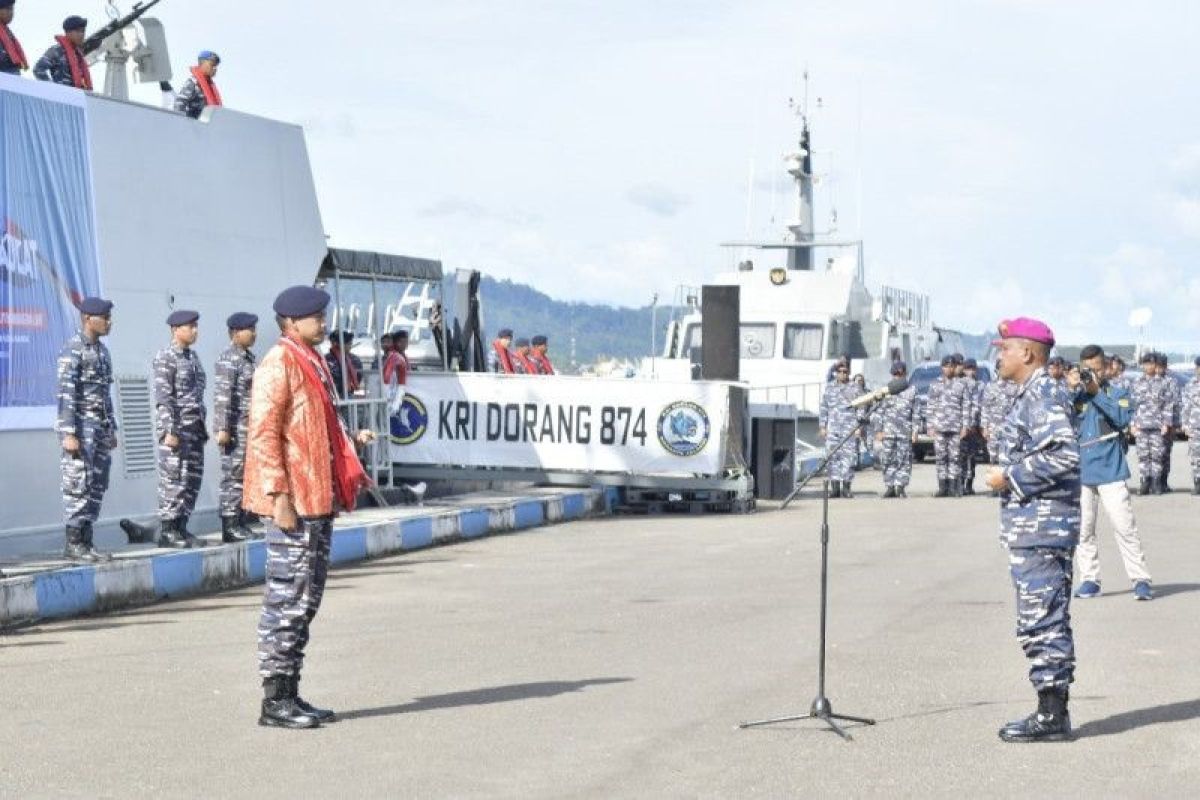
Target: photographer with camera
[1103,412]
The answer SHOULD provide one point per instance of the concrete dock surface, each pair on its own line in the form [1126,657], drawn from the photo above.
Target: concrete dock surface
[615,657]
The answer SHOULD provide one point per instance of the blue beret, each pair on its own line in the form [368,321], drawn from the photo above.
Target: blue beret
[300,301]
[898,367]
[182,317]
[93,306]
[947,361]
[7,3]
[74,24]
[971,363]
[539,339]
[1197,361]
[505,333]
[208,55]
[241,320]
[521,343]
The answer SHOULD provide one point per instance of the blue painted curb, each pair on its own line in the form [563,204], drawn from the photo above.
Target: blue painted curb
[127,582]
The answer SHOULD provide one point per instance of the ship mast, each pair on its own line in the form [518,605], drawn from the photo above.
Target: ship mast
[799,166]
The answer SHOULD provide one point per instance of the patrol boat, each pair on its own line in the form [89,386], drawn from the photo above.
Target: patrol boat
[799,316]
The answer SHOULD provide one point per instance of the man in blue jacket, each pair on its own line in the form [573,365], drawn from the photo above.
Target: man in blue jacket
[1103,412]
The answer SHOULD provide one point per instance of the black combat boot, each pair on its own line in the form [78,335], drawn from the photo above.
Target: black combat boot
[170,535]
[835,488]
[1163,486]
[1050,723]
[279,706]
[1156,485]
[248,525]
[900,492]
[195,541]
[968,486]
[955,488]
[230,531]
[1144,489]
[1196,486]
[943,488]
[320,714]
[890,492]
[87,542]
[138,534]
[77,549]
[846,489]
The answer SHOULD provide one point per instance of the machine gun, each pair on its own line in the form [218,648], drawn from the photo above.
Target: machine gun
[117,23]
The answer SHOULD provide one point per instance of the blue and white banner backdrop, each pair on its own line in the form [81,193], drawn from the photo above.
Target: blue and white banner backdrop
[48,254]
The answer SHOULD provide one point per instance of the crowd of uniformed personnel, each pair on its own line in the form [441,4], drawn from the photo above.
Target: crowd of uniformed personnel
[519,356]
[963,415]
[66,64]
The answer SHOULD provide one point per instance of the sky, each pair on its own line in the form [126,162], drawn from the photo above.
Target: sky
[1008,157]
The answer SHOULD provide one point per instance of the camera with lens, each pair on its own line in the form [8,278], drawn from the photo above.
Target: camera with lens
[1087,376]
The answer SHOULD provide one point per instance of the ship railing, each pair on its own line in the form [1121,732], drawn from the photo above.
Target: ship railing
[804,396]
[372,414]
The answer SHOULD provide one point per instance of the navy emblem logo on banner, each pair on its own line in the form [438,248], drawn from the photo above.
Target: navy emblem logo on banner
[683,428]
[410,422]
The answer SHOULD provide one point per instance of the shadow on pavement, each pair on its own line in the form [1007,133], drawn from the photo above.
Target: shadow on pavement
[1131,720]
[1163,589]
[480,697]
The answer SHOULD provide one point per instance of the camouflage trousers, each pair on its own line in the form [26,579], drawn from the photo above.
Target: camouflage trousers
[1150,448]
[1194,456]
[897,457]
[233,466]
[1168,443]
[946,456]
[1042,577]
[968,454]
[841,465]
[85,475]
[180,472]
[993,450]
[297,566]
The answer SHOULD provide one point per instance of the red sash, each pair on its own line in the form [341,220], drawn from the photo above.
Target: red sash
[543,362]
[528,362]
[348,474]
[505,357]
[11,46]
[212,96]
[81,76]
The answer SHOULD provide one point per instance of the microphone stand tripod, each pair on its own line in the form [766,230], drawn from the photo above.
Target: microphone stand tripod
[821,708]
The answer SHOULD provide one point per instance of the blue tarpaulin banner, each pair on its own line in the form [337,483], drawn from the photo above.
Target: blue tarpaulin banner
[48,253]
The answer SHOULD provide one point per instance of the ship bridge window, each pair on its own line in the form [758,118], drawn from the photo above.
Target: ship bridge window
[758,340]
[802,341]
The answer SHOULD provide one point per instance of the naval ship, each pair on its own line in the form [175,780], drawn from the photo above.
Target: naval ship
[798,316]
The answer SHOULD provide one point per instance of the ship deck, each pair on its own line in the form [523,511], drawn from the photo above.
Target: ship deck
[615,657]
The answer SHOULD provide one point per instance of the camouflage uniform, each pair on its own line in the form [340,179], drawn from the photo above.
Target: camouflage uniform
[233,377]
[54,67]
[7,65]
[946,407]
[1173,400]
[1189,419]
[997,397]
[837,421]
[179,408]
[297,566]
[85,411]
[1039,523]
[894,418]
[969,447]
[189,99]
[1150,414]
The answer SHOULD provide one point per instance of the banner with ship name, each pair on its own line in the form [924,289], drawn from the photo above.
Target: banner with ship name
[48,253]
[561,423]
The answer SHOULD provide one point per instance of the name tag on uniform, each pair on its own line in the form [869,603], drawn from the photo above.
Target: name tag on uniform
[1123,402]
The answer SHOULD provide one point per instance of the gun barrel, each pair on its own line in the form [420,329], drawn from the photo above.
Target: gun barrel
[93,42]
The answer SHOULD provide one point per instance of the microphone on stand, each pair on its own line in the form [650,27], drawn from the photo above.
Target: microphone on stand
[895,387]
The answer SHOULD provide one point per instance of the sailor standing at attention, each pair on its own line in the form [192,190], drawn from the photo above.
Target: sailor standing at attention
[234,375]
[893,418]
[180,421]
[86,426]
[837,420]
[1038,478]
[301,470]
[12,57]
[944,412]
[200,90]
[64,63]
